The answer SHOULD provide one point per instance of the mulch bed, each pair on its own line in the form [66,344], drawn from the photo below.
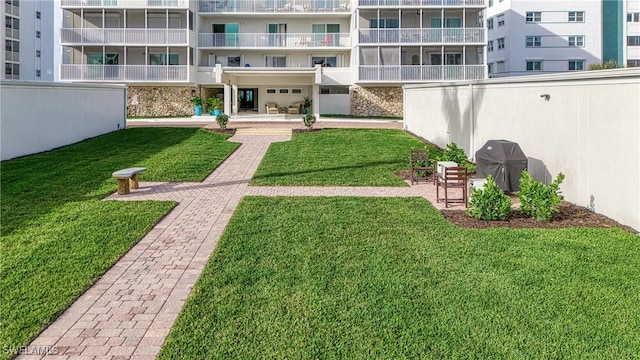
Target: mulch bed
[570,215]
[229,131]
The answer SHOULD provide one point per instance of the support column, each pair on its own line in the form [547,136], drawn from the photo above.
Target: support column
[315,97]
[234,105]
[227,99]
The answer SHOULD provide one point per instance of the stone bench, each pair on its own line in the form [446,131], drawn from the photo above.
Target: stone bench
[126,176]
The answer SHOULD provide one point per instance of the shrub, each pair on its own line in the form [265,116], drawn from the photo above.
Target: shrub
[456,154]
[538,200]
[309,120]
[609,64]
[222,121]
[489,203]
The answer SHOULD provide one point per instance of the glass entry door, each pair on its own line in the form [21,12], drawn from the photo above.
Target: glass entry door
[247,100]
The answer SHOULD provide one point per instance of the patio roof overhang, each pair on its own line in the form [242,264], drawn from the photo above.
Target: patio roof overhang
[308,75]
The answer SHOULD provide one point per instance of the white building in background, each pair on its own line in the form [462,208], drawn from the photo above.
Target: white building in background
[528,37]
[348,56]
[28,40]
[633,33]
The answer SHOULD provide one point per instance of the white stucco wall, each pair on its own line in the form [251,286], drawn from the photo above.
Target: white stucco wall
[334,104]
[38,116]
[589,129]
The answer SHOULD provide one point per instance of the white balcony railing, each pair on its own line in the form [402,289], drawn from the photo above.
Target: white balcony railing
[11,56]
[125,3]
[12,33]
[388,73]
[124,36]
[147,73]
[438,3]
[11,10]
[267,40]
[275,6]
[420,36]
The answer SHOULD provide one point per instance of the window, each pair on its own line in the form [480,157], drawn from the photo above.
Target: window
[38,15]
[534,16]
[490,45]
[296,91]
[12,69]
[576,16]
[450,59]
[38,34]
[631,41]
[276,61]
[228,60]
[334,90]
[38,73]
[500,67]
[535,65]
[38,53]
[490,68]
[11,45]
[576,41]
[633,17]
[500,43]
[271,91]
[377,24]
[500,20]
[490,24]
[490,3]
[283,91]
[161,59]
[324,61]
[633,63]
[576,65]
[533,41]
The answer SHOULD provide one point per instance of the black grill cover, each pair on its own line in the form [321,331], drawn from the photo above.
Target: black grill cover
[504,161]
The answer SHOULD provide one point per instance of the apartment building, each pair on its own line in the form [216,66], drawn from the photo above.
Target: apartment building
[533,37]
[348,56]
[28,40]
[633,33]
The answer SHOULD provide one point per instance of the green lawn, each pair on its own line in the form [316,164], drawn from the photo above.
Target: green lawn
[338,157]
[58,237]
[391,278]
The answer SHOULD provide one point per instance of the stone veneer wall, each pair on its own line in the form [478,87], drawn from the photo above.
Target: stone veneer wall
[160,100]
[376,101]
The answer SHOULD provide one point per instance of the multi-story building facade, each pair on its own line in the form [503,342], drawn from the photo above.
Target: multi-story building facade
[348,56]
[533,37]
[633,33]
[28,40]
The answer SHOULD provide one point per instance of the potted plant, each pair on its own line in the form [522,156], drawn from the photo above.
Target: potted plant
[306,104]
[216,104]
[197,104]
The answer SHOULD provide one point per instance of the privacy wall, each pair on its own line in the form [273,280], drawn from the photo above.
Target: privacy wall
[38,116]
[585,125]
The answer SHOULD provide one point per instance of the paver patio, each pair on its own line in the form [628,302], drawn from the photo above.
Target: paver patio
[129,312]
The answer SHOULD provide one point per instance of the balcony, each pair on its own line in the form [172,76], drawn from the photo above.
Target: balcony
[422,3]
[129,73]
[400,73]
[183,4]
[275,6]
[11,10]
[104,36]
[12,56]
[270,40]
[12,33]
[422,36]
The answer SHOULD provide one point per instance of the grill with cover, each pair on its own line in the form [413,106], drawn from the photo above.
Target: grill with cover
[504,161]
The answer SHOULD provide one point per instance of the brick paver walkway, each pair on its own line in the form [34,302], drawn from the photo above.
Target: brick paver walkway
[129,312]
